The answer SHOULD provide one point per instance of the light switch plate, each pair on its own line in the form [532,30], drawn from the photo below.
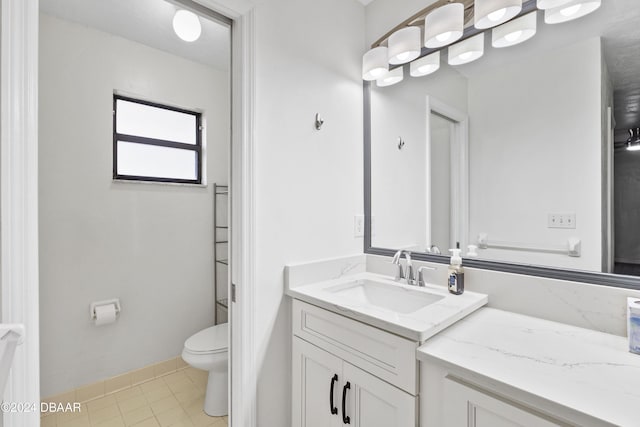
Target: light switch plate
[358,226]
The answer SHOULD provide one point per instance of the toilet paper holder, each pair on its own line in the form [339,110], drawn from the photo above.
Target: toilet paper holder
[92,307]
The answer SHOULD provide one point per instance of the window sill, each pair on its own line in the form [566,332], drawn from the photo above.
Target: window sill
[170,184]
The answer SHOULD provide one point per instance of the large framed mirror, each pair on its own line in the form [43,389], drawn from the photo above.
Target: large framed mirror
[523,153]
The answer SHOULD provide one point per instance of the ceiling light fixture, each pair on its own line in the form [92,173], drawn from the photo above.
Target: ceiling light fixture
[571,10]
[392,77]
[444,25]
[548,4]
[467,50]
[404,45]
[514,32]
[426,65]
[374,63]
[491,13]
[633,143]
[187,26]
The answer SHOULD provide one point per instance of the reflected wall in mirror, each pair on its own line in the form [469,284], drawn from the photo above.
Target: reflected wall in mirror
[426,183]
[548,169]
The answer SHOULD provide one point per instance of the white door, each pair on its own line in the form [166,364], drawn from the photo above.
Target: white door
[317,377]
[371,402]
[468,407]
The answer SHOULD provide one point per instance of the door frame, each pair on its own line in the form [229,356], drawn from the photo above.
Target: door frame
[19,202]
[19,199]
[459,184]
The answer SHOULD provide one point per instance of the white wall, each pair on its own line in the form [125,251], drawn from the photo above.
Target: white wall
[535,148]
[309,183]
[398,177]
[148,244]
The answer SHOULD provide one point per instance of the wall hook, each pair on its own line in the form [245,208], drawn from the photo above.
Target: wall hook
[319,122]
[400,143]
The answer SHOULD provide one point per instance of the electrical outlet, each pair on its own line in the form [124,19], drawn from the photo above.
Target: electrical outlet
[358,226]
[561,220]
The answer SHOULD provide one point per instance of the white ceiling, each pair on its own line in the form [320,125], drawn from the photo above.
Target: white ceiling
[148,22]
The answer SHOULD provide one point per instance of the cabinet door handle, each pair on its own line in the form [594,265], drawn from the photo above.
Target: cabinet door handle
[334,409]
[345,417]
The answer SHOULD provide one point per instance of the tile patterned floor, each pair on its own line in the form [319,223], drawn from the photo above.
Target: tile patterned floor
[173,400]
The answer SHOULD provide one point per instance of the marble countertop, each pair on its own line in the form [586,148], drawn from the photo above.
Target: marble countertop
[590,372]
[417,326]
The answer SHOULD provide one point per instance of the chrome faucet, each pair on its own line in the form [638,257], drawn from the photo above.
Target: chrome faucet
[421,281]
[410,276]
[396,261]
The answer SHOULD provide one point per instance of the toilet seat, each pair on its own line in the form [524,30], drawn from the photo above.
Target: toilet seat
[209,341]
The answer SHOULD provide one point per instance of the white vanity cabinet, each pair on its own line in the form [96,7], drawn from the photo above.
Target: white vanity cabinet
[331,392]
[468,406]
[349,373]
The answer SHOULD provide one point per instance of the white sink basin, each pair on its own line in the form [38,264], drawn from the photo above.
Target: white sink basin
[412,312]
[379,294]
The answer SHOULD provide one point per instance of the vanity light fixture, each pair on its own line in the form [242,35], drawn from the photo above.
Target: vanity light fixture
[392,77]
[548,4]
[633,143]
[374,63]
[467,50]
[514,32]
[444,25]
[572,10]
[404,45]
[491,13]
[187,25]
[426,65]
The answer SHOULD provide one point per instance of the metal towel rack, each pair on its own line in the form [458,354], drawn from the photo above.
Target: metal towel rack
[572,248]
[220,249]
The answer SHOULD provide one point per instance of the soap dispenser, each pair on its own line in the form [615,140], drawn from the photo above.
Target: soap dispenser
[456,273]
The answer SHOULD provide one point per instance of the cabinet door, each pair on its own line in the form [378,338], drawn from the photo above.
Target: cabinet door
[466,406]
[371,402]
[313,373]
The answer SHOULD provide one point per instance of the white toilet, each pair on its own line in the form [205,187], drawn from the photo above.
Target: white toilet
[208,350]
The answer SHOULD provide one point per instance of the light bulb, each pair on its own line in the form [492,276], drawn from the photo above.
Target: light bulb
[426,69]
[392,77]
[425,65]
[633,147]
[467,50]
[403,56]
[444,36]
[511,37]
[497,15]
[187,26]
[571,10]
[574,9]
[444,25]
[374,63]
[404,45]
